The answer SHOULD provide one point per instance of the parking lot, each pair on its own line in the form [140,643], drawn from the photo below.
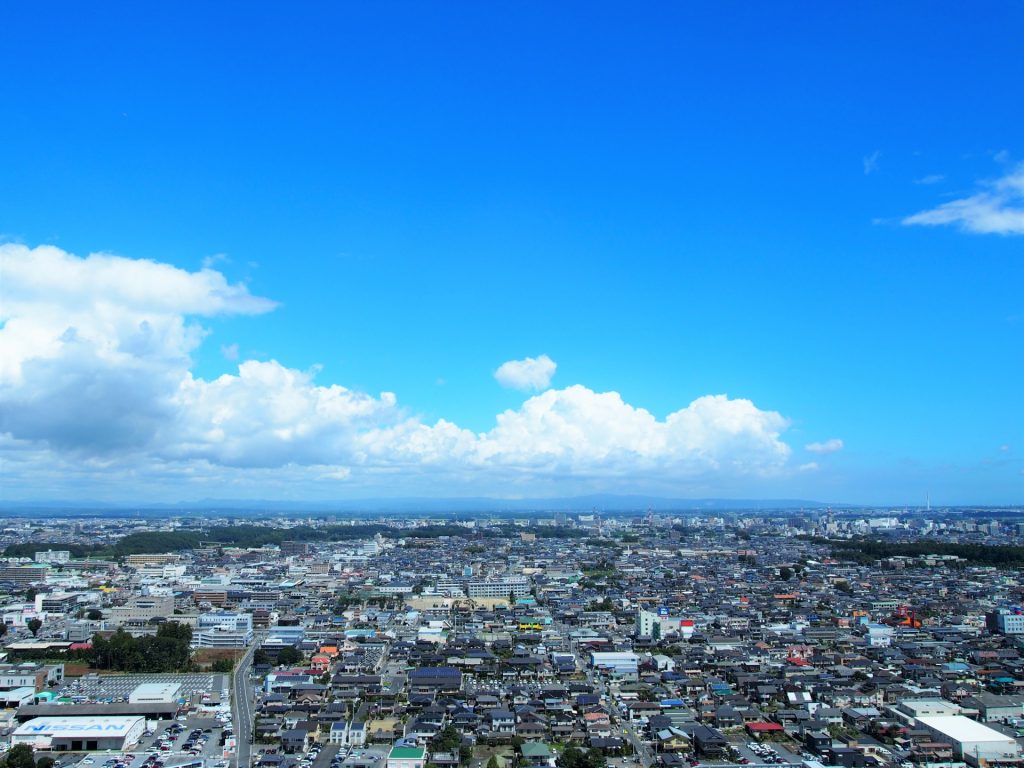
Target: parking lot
[167,744]
[766,753]
[109,688]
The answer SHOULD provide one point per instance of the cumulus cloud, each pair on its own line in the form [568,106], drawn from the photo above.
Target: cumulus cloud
[98,383]
[828,446]
[997,209]
[530,373]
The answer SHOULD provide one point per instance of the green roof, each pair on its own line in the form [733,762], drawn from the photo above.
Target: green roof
[535,749]
[407,753]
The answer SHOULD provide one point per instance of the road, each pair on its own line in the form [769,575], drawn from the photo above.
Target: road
[627,730]
[242,706]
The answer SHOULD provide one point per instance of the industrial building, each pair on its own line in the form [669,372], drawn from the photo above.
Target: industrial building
[973,742]
[622,665]
[80,734]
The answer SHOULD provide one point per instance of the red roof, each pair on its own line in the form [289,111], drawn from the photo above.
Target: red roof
[763,727]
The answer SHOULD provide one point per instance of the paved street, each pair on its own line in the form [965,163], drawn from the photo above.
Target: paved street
[242,696]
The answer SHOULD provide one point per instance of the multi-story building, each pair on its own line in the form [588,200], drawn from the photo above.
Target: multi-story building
[514,585]
[56,603]
[53,556]
[143,609]
[23,575]
[223,630]
[152,559]
[1006,622]
[36,676]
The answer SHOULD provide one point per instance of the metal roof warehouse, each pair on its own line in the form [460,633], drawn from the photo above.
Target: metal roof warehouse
[80,734]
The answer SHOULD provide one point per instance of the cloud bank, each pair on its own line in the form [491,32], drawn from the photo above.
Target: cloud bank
[96,384]
[996,210]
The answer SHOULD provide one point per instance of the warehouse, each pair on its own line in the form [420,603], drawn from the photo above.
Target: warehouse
[974,743]
[80,734]
[622,665]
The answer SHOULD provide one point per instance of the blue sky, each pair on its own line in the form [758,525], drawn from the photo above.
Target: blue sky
[819,210]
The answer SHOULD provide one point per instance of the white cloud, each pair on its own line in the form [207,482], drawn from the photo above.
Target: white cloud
[98,387]
[871,162]
[229,351]
[997,209]
[810,466]
[828,446]
[931,178]
[531,373]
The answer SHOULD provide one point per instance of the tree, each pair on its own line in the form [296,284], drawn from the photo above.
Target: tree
[94,614]
[785,573]
[493,762]
[289,654]
[20,756]
[573,757]
[44,762]
[3,629]
[448,740]
[34,625]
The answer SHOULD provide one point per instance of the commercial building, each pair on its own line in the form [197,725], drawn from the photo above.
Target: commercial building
[973,742]
[56,603]
[656,625]
[155,693]
[1006,622]
[80,734]
[407,757]
[35,676]
[223,630]
[143,609]
[620,664]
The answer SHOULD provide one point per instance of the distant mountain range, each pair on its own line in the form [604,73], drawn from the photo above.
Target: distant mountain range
[411,505]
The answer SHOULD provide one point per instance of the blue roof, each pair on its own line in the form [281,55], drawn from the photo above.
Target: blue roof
[435,672]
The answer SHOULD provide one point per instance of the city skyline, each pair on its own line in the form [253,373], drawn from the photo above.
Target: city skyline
[340,253]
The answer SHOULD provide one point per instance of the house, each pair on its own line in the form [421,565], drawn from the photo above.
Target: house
[537,754]
[502,721]
[709,742]
[295,740]
[348,734]
[672,739]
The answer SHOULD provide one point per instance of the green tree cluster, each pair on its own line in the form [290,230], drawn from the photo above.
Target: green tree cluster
[574,757]
[167,651]
[23,756]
